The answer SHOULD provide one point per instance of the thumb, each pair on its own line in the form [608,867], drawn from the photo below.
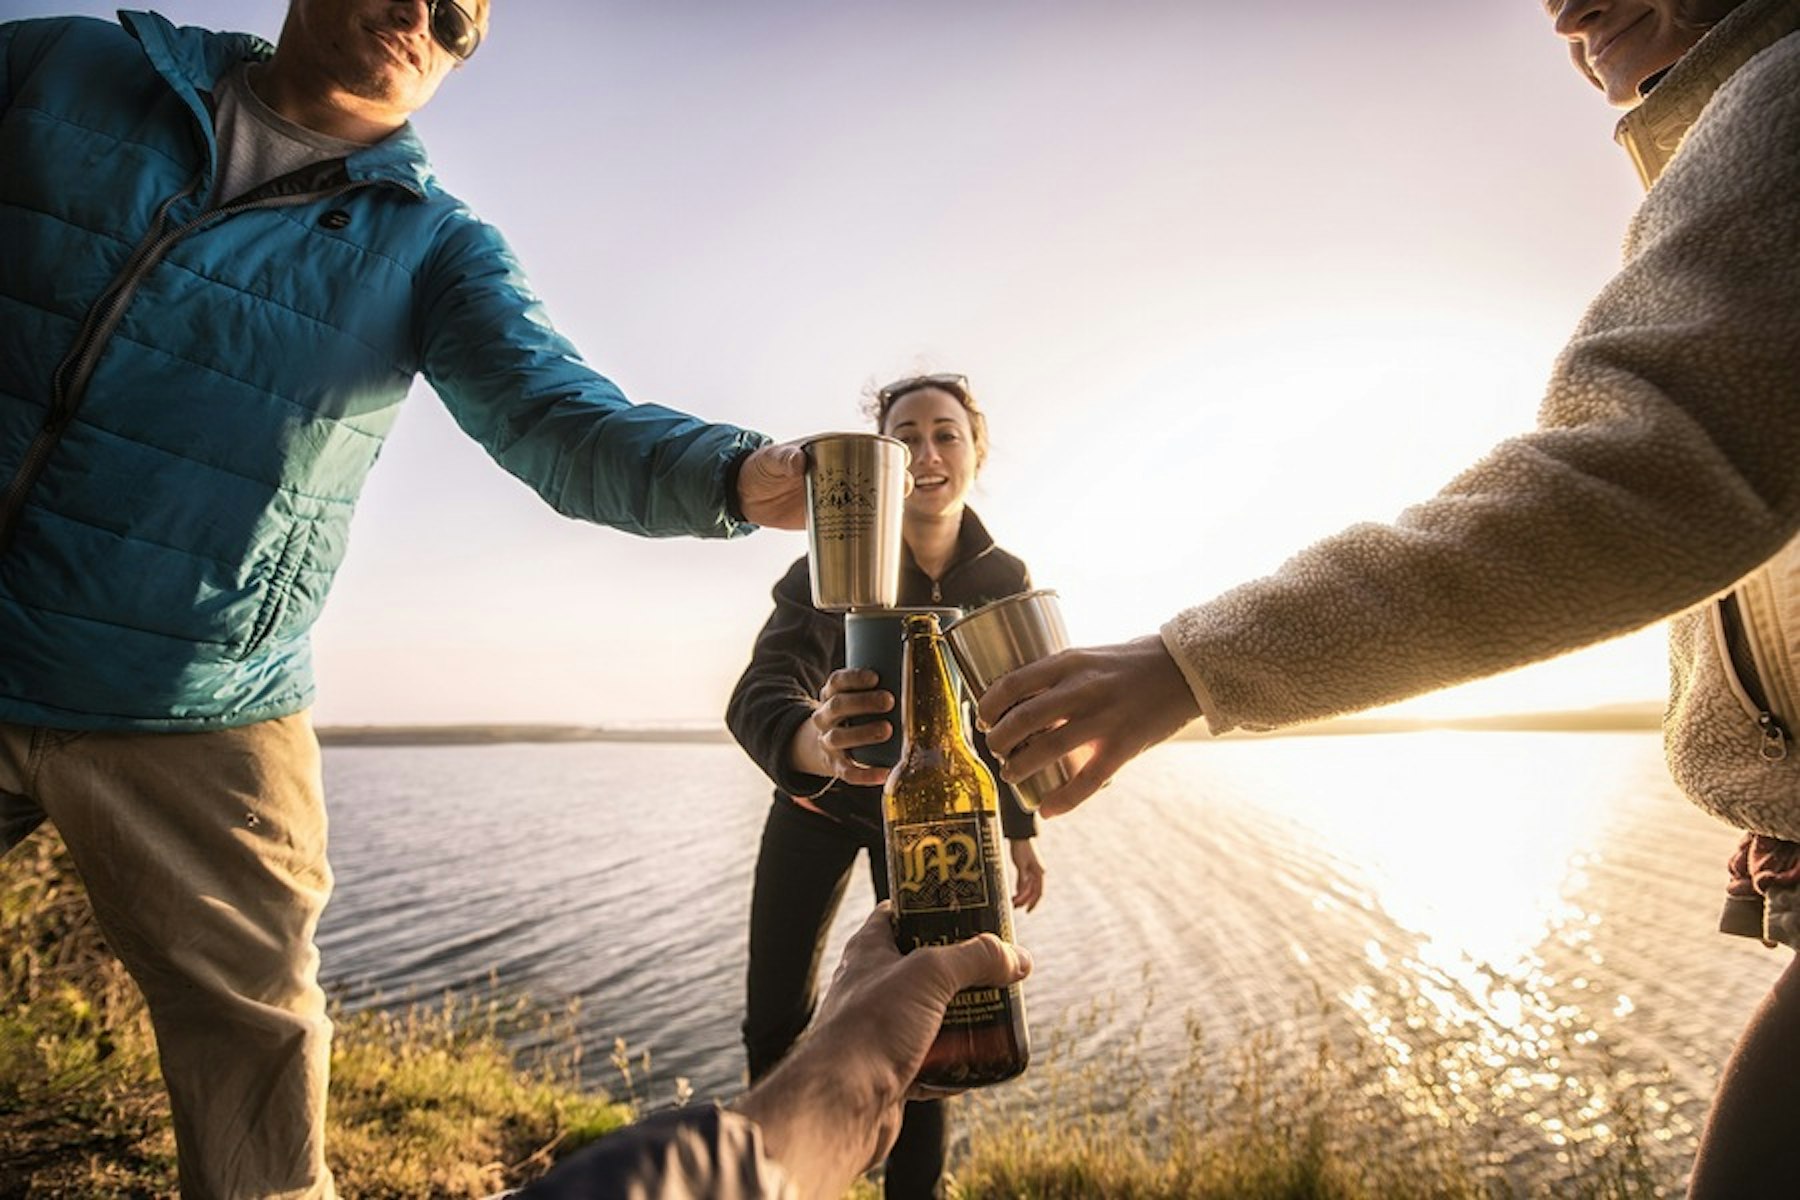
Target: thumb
[781,460]
[978,962]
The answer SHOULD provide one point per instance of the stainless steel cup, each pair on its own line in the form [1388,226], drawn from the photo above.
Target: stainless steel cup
[875,640]
[1009,633]
[855,497]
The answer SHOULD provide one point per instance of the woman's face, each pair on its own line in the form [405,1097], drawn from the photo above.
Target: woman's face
[1618,44]
[935,427]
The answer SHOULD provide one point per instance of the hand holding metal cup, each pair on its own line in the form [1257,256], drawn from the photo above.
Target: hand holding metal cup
[997,637]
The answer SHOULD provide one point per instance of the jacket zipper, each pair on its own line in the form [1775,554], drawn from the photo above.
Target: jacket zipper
[1744,682]
[63,400]
[69,383]
[937,587]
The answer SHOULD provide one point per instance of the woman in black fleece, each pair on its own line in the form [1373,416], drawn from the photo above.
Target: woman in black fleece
[789,710]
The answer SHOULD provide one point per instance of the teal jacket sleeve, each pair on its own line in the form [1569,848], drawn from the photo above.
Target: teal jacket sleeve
[521,389]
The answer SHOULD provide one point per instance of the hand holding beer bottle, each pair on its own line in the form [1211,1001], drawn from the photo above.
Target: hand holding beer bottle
[941,818]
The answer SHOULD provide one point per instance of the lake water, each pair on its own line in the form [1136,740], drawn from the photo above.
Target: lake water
[1528,917]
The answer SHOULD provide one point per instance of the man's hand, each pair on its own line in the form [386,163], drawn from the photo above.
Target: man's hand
[832,1108]
[771,486]
[1117,700]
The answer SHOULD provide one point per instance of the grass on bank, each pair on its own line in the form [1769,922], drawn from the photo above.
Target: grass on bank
[424,1102]
[428,1102]
[1342,1124]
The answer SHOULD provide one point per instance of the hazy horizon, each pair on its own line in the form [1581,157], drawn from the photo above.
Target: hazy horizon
[1638,716]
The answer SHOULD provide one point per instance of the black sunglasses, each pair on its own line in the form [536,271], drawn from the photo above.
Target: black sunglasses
[956,385]
[453,28]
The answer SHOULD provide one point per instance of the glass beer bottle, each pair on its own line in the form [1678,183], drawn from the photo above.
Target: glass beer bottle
[941,819]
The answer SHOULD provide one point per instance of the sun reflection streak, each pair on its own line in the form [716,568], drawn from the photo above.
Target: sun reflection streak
[1484,875]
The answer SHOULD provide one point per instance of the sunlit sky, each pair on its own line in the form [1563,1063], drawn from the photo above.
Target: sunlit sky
[1227,277]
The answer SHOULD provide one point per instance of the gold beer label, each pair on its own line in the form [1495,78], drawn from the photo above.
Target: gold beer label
[844,502]
[941,865]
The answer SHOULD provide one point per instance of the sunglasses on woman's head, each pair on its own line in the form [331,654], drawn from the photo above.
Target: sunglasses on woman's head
[956,385]
[453,28]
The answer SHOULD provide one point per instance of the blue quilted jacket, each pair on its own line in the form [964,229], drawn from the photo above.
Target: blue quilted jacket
[190,397]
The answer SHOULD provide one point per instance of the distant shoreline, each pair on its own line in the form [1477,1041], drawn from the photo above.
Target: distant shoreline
[1646,716]
[487,735]
[1617,718]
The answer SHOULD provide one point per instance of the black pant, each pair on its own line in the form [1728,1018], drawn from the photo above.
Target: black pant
[801,872]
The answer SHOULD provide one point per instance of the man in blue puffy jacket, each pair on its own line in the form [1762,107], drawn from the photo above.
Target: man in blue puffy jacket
[223,265]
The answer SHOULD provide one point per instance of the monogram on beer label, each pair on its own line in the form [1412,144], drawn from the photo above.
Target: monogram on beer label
[940,865]
[844,502]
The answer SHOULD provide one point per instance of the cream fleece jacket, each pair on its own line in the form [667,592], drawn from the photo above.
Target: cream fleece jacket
[1661,472]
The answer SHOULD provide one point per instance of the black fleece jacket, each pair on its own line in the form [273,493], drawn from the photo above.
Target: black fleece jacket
[800,646]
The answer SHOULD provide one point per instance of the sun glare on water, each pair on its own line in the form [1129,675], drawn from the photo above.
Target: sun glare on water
[1480,865]
[1485,871]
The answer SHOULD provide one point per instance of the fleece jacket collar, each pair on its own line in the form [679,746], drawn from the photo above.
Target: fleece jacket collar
[1652,132]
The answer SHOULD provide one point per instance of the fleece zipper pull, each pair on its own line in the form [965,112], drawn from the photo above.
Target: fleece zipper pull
[1774,737]
[1738,663]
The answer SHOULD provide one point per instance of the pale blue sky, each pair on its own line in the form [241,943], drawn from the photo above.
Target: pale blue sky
[1226,277]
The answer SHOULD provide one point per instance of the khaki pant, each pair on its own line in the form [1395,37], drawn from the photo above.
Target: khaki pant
[204,857]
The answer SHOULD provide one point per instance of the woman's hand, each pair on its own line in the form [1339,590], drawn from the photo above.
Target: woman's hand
[1028,874]
[822,744]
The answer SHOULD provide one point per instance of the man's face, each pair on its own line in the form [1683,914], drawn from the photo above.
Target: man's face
[380,52]
[1618,44]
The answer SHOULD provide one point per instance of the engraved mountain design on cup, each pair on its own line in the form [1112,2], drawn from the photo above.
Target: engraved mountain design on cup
[844,501]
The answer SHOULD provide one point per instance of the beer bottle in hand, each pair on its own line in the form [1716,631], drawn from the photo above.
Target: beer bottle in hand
[942,824]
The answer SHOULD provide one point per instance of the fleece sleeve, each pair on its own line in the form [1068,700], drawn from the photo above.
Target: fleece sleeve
[1662,468]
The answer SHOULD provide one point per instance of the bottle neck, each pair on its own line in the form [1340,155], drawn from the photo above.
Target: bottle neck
[929,703]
